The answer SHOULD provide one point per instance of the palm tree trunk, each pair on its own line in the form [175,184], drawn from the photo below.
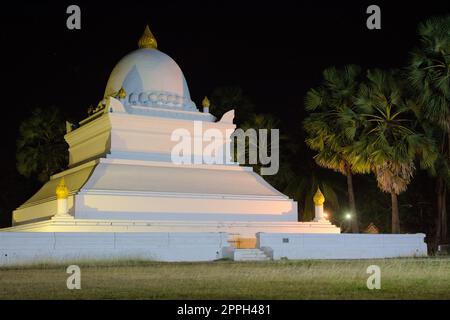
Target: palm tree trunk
[443,213]
[351,201]
[395,215]
[440,197]
[441,191]
[444,226]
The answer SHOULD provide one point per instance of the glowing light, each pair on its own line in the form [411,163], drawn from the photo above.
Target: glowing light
[348,216]
[325,215]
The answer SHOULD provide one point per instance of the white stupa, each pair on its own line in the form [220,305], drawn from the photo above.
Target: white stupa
[123,196]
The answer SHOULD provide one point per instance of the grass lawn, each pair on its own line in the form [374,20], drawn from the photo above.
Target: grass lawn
[426,278]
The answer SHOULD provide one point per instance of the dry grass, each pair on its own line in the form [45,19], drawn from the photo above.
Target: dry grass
[400,279]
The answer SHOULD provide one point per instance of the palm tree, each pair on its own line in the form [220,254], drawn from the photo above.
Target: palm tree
[225,98]
[390,144]
[333,125]
[41,149]
[429,72]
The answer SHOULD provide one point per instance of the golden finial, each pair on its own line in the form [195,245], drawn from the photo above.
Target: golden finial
[147,39]
[122,93]
[318,198]
[205,102]
[61,190]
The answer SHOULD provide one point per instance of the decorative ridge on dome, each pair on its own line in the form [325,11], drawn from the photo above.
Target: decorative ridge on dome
[147,40]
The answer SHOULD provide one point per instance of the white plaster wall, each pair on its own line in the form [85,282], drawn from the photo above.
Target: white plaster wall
[152,135]
[145,137]
[92,140]
[341,246]
[130,207]
[33,247]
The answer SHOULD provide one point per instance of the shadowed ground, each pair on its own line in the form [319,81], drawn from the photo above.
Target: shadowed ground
[427,278]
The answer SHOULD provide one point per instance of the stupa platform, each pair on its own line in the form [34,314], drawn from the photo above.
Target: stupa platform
[247,229]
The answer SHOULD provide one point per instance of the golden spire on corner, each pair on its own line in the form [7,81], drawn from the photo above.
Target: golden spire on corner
[122,94]
[205,102]
[147,40]
[62,192]
[318,198]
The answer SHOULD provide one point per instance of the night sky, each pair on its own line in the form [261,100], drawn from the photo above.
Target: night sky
[275,51]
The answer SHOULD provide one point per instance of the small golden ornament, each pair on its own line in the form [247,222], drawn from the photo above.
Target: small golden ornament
[318,198]
[147,40]
[205,102]
[62,192]
[122,93]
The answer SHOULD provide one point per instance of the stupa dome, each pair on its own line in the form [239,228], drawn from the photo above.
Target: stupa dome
[149,77]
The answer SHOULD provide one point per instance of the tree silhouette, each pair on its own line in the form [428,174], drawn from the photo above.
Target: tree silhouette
[41,149]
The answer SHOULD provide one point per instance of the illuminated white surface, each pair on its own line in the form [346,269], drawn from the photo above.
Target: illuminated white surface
[32,247]
[151,78]
[341,246]
[319,214]
[127,199]
[137,136]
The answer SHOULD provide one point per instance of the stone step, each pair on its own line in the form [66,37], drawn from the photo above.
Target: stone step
[253,259]
[249,255]
[252,255]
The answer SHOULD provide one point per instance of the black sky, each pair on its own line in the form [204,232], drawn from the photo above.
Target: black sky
[274,50]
